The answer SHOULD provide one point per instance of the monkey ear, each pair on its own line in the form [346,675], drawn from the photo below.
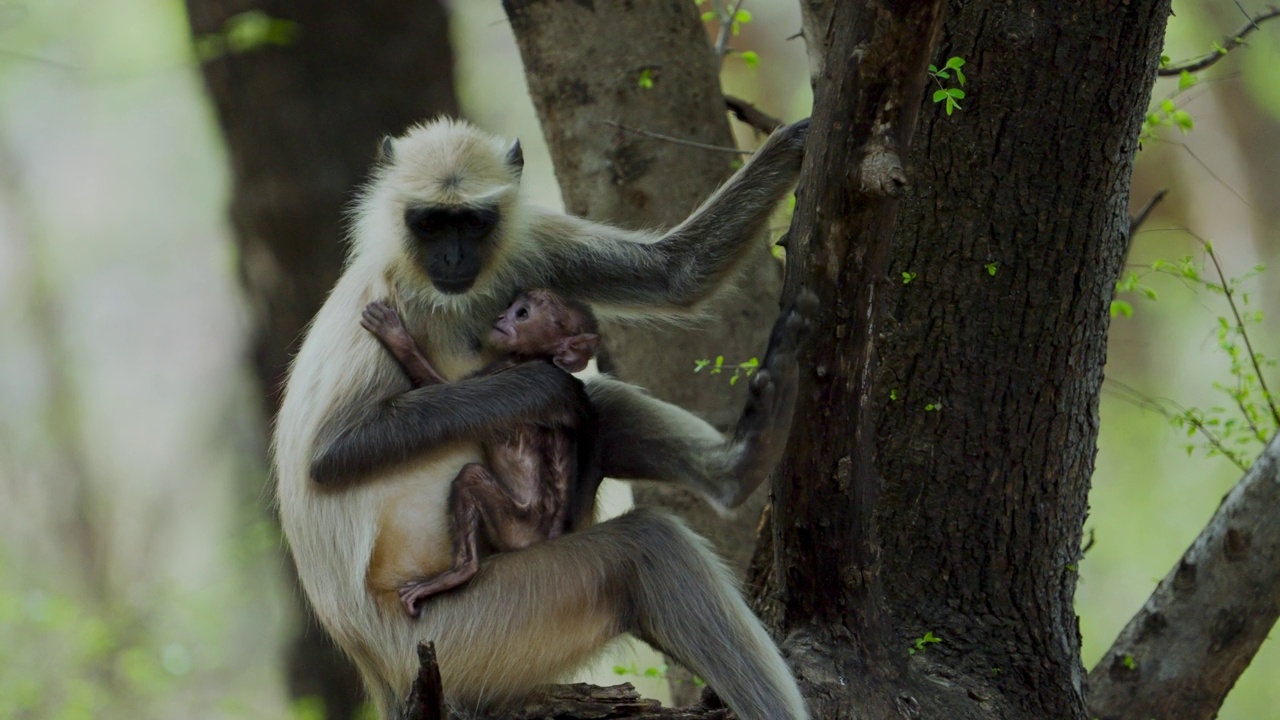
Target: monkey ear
[515,157]
[573,353]
[386,149]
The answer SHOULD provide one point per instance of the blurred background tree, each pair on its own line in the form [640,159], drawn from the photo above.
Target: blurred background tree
[140,576]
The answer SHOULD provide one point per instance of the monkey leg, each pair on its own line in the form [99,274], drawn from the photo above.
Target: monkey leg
[477,495]
[532,616]
[642,438]
[561,474]
[381,319]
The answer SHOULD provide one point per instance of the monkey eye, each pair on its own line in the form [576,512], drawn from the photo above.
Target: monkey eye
[523,312]
[475,222]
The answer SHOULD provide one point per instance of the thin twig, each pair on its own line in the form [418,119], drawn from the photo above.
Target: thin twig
[752,115]
[1230,42]
[1253,357]
[1139,399]
[676,140]
[726,25]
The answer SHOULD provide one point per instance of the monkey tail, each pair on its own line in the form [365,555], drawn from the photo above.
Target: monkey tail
[688,605]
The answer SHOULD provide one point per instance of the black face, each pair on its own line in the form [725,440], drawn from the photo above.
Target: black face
[451,244]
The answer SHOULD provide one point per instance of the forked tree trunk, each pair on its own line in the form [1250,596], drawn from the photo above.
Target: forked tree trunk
[963,476]
[301,124]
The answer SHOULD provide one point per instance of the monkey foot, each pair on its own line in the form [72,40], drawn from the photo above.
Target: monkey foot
[762,431]
[414,593]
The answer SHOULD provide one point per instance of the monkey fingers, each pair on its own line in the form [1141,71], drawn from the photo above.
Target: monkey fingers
[381,319]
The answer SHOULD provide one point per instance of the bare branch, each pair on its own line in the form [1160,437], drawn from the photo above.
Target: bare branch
[1198,631]
[1235,312]
[752,115]
[676,140]
[1229,43]
[726,26]
[1136,221]
[426,700]
[426,696]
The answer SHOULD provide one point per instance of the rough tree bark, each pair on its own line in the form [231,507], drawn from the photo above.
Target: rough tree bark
[591,103]
[301,124]
[991,352]
[1181,654]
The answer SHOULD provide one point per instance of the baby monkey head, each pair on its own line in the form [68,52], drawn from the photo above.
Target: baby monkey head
[541,324]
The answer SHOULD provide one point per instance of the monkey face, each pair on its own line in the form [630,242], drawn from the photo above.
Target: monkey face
[522,327]
[451,244]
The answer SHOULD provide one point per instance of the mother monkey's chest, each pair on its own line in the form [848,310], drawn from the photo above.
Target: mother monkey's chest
[413,537]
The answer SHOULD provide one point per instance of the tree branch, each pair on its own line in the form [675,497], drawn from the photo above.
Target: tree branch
[1229,43]
[1180,655]
[752,115]
[676,140]
[1136,221]
[617,702]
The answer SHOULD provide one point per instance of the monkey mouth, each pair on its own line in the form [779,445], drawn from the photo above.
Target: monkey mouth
[453,287]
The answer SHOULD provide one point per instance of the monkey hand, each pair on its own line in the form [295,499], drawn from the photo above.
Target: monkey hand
[761,435]
[381,319]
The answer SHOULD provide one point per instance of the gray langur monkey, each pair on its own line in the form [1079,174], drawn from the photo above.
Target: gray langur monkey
[363,462]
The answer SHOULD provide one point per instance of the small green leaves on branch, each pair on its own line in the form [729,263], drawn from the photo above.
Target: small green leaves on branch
[646,79]
[1219,49]
[717,366]
[949,96]
[731,21]
[1239,429]
[907,277]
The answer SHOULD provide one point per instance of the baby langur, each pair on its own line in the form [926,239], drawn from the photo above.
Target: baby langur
[532,486]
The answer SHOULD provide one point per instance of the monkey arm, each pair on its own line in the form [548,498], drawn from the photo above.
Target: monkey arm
[624,272]
[370,435]
[642,438]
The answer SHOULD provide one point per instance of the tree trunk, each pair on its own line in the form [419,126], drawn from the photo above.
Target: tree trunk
[301,124]
[965,506]
[591,102]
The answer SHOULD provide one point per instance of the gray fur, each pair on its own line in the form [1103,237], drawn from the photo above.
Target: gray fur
[363,463]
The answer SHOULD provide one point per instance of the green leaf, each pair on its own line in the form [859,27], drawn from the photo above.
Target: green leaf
[646,79]
[1183,120]
[943,74]
[1151,294]
[907,277]
[956,93]
[751,58]
[940,95]
[992,267]
[1186,80]
[933,69]
[1167,106]
[955,63]
[711,15]
[893,393]
[743,16]
[1120,307]
[960,76]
